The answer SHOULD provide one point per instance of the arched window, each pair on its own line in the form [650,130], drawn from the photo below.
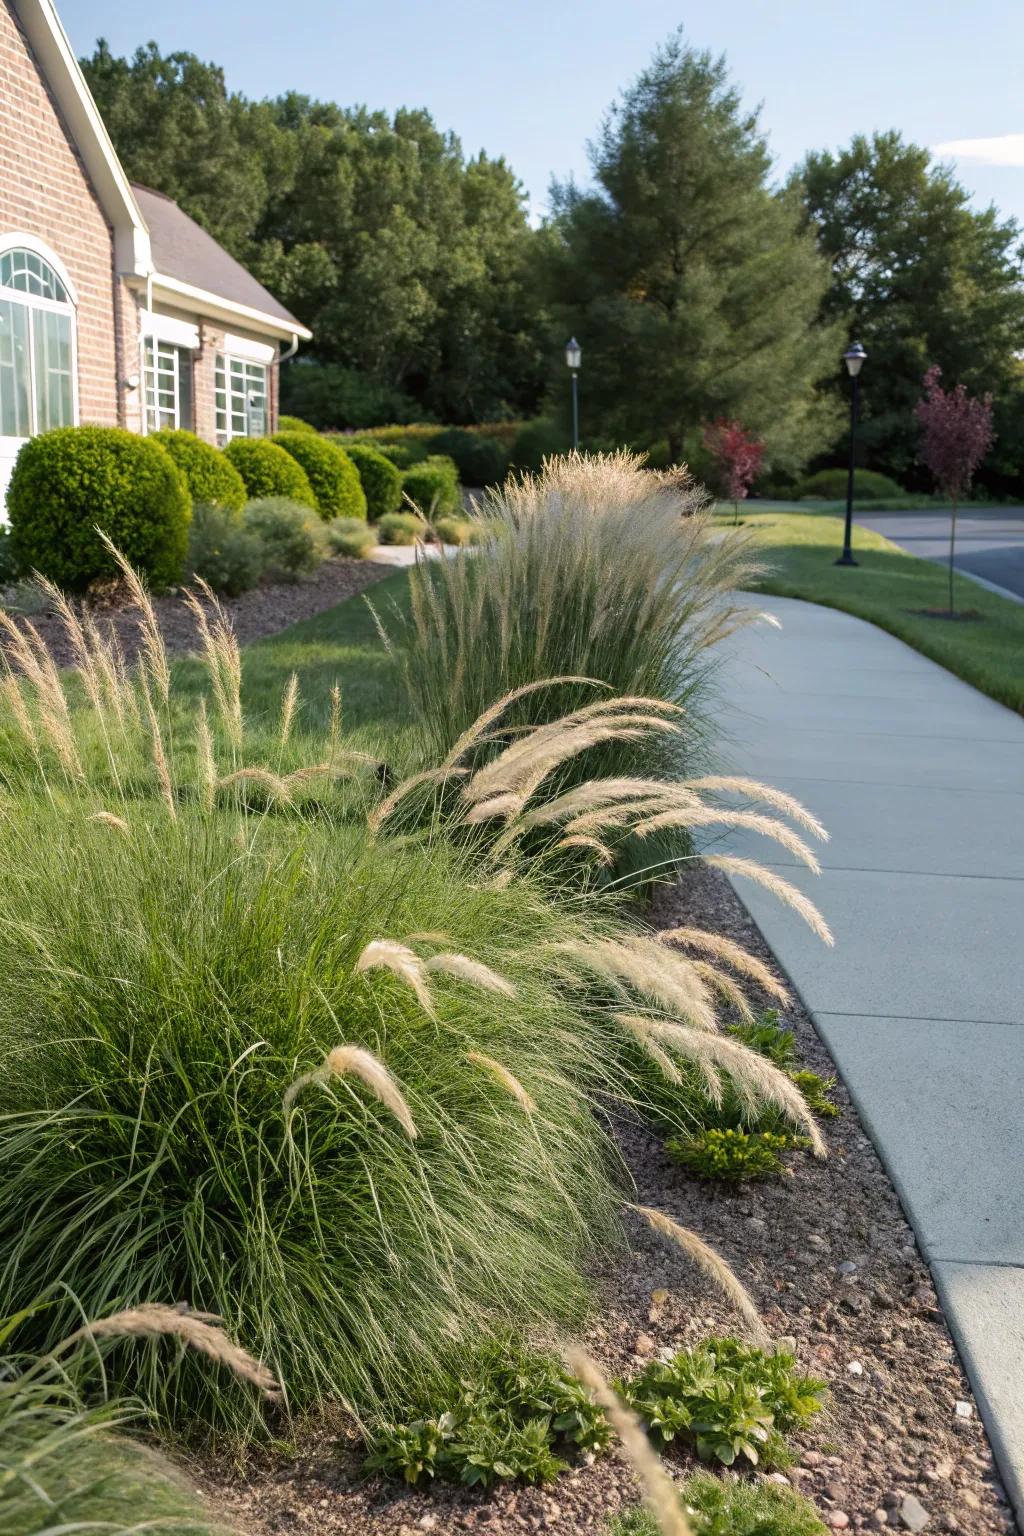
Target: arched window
[37,341]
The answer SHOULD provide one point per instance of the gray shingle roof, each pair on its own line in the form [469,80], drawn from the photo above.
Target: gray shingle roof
[182,249]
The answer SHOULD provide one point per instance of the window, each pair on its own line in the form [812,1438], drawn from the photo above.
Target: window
[168,376]
[241,398]
[37,338]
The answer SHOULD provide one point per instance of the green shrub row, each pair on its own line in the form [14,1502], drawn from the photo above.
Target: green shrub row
[830,485]
[275,539]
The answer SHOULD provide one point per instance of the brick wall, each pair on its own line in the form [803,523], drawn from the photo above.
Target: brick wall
[44,192]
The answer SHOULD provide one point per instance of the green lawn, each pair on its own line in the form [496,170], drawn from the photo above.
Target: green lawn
[887,587]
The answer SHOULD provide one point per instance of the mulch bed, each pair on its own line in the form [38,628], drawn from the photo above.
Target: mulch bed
[263,611]
[831,1262]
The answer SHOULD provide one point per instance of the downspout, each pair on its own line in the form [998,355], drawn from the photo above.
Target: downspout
[282,357]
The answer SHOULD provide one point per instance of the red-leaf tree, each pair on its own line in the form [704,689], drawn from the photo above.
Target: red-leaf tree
[737,456]
[956,433]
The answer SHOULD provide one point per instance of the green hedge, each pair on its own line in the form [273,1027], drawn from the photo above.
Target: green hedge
[293,424]
[830,485]
[433,487]
[381,480]
[479,460]
[68,482]
[268,470]
[537,441]
[212,479]
[332,474]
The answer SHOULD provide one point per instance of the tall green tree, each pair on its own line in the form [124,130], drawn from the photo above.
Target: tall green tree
[921,278]
[694,288]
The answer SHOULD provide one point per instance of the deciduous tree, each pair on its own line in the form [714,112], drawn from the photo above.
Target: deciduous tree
[955,435]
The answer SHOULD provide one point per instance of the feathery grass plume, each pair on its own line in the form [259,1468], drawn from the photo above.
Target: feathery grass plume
[711,816]
[749,869]
[109,666]
[380,813]
[507,806]
[334,730]
[732,954]
[726,987]
[640,1028]
[383,636]
[596,794]
[635,963]
[108,819]
[354,1061]
[271,783]
[474,732]
[208,776]
[10,691]
[343,765]
[198,1330]
[288,704]
[660,1493]
[473,971]
[508,1081]
[74,631]
[605,857]
[734,784]
[28,651]
[708,1260]
[163,773]
[152,651]
[222,658]
[757,1080]
[521,767]
[405,963]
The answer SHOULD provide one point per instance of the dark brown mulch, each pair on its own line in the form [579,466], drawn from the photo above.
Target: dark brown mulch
[831,1262]
[263,611]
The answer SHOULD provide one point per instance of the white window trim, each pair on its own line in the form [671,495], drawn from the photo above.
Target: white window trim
[147,429]
[19,241]
[178,333]
[227,358]
[248,351]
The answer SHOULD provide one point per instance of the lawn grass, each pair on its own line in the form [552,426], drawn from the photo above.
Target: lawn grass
[889,587]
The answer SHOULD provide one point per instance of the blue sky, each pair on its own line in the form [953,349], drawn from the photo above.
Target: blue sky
[531,79]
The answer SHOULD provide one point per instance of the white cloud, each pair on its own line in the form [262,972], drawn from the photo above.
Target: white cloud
[1001,149]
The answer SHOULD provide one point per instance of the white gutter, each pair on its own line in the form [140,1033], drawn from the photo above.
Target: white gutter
[228,310]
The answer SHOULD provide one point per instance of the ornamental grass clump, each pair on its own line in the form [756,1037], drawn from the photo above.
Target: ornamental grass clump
[597,567]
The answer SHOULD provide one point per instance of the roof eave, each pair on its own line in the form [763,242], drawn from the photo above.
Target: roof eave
[64,76]
[215,307]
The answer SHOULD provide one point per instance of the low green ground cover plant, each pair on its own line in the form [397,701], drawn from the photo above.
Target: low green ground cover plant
[212,478]
[333,476]
[402,528]
[730,1401]
[267,470]
[734,1156]
[291,536]
[351,536]
[67,482]
[716,1506]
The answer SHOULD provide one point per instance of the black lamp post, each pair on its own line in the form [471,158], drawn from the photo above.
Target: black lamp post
[573,355]
[853,357]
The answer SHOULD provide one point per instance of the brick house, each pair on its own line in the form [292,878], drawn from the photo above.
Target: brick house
[116,308]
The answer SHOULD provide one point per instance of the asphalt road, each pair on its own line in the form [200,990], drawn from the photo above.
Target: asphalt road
[988,543]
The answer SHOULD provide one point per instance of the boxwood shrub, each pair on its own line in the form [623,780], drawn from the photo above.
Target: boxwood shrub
[433,487]
[268,470]
[211,477]
[293,424]
[332,474]
[68,482]
[381,480]
[830,485]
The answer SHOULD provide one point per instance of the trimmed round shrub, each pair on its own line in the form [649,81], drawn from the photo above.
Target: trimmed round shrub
[405,455]
[381,480]
[293,424]
[830,485]
[433,487]
[211,477]
[351,537]
[479,460]
[68,482]
[291,535]
[401,528]
[268,470]
[329,470]
[223,551]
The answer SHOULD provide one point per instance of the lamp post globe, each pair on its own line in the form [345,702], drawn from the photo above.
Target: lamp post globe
[573,358]
[854,357]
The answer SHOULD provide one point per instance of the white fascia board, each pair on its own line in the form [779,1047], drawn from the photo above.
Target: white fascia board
[185,296]
[63,74]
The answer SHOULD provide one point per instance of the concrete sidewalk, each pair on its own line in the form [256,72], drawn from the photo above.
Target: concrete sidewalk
[920,781]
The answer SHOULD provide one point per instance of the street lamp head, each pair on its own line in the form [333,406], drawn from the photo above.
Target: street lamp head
[854,358]
[573,353]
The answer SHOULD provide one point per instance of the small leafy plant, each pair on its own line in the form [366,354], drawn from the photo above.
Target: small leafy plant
[719,1508]
[517,1417]
[734,1155]
[730,1401]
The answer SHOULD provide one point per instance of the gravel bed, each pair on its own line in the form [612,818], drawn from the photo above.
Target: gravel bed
[263,611]
[831,1262]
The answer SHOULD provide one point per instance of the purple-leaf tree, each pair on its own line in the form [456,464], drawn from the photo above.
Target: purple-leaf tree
[956,433]
[737,456]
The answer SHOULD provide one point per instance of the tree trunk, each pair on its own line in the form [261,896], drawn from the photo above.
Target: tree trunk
[952,547]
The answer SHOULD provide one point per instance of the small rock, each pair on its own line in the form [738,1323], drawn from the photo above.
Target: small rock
[644,1344]
[963,1410]
[879,1519]
[778,1477]
[837,1519]
[787,1344]
[855,1368]
[913,1514]
[426,1522]
[847,1267]
[812,1458]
